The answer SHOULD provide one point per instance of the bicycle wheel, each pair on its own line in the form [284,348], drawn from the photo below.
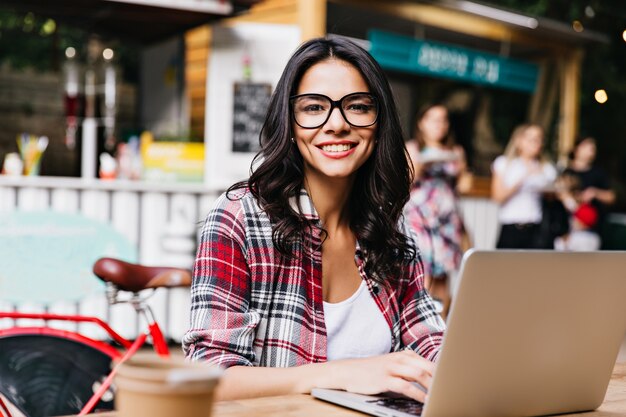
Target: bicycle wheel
[51,375]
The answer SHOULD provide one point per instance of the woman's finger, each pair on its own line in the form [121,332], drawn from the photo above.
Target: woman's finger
[413,375]
[406,388]
[413,369]
[412,358]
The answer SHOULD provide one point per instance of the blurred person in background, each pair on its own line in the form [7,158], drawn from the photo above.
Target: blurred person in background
[520,176]
[432,210]
[581,236]
[585,187]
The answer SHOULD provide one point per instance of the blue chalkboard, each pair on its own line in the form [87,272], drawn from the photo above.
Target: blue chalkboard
[47,256]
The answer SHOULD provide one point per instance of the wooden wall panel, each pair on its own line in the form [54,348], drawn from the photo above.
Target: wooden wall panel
[312,18]
[197,43]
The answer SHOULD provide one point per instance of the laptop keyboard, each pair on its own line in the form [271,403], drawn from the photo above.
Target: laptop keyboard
[405,405]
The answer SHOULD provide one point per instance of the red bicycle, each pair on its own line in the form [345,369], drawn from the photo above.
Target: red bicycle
[46,371]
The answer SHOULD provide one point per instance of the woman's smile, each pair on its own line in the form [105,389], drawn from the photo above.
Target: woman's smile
[337,150]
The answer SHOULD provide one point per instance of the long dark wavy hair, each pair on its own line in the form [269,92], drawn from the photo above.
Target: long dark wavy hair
[381,186]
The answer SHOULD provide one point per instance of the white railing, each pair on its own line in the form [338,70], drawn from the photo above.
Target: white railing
[160,219]
[480,216]
[156,218]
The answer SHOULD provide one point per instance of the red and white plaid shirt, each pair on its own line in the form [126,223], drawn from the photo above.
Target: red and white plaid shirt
[252,306]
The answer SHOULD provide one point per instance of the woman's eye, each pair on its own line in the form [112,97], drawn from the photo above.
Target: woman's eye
[311,108]
[359,107]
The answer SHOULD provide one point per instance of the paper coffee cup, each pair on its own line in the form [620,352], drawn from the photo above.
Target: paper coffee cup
[152,386]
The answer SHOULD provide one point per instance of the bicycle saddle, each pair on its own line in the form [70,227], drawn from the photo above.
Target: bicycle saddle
[134,277]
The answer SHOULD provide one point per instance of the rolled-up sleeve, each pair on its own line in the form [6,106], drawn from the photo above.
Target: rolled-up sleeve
[223,327]
[422,327]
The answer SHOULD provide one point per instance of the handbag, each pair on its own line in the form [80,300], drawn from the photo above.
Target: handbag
[555,222]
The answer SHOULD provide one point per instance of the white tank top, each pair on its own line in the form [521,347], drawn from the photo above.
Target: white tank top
[355,327]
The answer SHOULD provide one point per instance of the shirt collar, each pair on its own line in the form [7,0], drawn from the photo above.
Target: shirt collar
[305,206]
[309,212]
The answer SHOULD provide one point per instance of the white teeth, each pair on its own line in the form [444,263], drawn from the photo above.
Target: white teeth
[336,148]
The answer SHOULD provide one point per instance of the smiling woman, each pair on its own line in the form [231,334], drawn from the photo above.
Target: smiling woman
[310,254]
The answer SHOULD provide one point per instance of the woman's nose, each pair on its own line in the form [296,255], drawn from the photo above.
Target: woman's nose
[336,122]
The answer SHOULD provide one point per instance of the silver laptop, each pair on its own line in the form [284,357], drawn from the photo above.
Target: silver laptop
[529,333]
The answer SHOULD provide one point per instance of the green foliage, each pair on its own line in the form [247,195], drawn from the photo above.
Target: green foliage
[28,41]
[23,42]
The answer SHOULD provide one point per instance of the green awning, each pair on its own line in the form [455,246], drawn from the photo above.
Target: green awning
[436,59]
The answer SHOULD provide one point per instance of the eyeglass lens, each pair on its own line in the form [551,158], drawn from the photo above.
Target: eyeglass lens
[313,110]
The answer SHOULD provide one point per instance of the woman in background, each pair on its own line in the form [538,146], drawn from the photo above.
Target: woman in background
[592,181]
[519,178]
[586,189]
[432,208]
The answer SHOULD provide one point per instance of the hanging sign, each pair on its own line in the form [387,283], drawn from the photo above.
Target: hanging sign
[250,105]
[403,53]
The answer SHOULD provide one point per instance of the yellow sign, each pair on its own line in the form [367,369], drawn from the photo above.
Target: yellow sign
[171,161]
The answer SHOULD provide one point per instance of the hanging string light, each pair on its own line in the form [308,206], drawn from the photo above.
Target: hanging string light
[578,26]
[601,96]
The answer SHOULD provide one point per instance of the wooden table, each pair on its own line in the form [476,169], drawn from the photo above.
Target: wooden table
[614,404]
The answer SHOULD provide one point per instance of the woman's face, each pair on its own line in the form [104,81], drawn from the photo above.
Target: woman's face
[335,149]
[530,142]
[586,151]
[434,124]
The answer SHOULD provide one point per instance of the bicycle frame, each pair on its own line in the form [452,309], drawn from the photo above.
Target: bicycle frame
[153,330]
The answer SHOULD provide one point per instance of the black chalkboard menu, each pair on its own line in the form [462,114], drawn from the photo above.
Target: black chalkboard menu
[250,105]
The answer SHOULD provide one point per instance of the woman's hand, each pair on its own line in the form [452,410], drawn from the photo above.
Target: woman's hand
[568,200]
[588,194]
[500,193]
[592,193]
[395,372]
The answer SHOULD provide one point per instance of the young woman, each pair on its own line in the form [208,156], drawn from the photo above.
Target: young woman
[519,178]
[432,209]
[304,276]
[591,181]
[586,193]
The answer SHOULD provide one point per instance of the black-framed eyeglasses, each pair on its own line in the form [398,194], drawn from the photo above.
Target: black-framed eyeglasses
[311,111]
